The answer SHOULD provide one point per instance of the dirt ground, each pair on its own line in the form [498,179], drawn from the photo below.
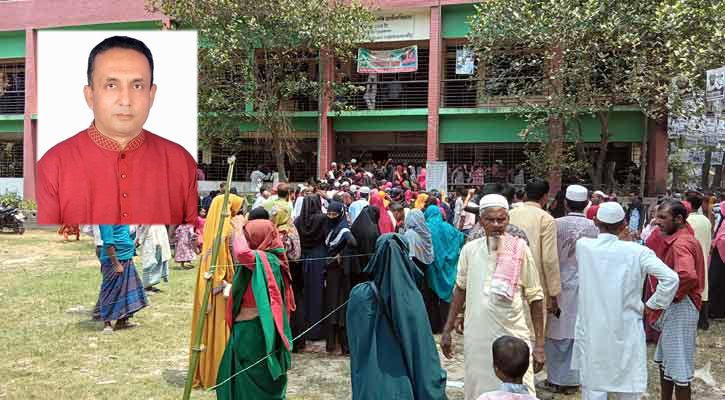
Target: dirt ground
[53,350]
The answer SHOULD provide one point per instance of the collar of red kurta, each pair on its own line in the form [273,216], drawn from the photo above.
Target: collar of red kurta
[684,231]
[107,143]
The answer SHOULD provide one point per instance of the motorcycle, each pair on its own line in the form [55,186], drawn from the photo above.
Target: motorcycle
[13,219]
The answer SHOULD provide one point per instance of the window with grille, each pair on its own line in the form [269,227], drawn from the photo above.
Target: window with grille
[251,154]
[11,157]
[388,91]
[485,162]
[12,88]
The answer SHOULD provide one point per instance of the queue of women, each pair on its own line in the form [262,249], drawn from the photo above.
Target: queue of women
[285,271]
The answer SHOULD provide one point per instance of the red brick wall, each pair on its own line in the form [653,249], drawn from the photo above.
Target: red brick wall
[17,15]
[434,83]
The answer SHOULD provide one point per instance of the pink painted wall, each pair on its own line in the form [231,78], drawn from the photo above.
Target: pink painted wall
[21,14]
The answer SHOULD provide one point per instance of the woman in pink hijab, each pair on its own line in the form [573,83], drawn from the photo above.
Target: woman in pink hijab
[716,276]
[421,179]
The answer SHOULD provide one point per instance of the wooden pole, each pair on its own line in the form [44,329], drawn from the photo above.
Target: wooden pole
[196,348]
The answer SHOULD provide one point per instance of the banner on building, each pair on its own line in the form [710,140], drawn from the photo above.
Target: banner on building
[715,84]
[387,61]
[436,176]
[464,61]
[404,25]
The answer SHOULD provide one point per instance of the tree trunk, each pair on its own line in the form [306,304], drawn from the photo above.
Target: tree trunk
[603,118]
[643,157]
[555,147]
[705,170]
[717,180]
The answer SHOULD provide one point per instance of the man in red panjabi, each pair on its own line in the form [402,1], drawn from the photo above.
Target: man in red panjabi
[115,172]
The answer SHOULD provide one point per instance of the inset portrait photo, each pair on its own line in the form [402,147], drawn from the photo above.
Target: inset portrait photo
[117,127]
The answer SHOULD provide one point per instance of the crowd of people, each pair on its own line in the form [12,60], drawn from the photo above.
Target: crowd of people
[362,266]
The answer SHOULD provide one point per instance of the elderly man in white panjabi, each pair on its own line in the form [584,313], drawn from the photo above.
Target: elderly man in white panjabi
[497,278]
[609,348]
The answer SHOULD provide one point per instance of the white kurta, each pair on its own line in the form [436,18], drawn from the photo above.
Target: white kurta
[609,349]
[489,317]
[151,237]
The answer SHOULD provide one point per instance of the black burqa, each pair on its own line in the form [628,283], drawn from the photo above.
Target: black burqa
[340,242]
[313,227]
[392,350]
[366,232]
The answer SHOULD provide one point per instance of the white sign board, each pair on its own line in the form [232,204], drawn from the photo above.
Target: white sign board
[403,25]
[436,176]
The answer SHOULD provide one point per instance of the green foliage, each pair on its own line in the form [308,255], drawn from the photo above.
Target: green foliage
[595,55]
[264,53]
[12,199]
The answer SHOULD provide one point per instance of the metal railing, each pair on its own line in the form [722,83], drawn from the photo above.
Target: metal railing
[387,95]
[11,159]
[12,88]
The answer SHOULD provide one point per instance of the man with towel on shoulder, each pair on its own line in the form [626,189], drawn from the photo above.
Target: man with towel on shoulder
[497,278]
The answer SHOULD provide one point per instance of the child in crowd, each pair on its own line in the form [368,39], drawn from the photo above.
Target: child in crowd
[510,362]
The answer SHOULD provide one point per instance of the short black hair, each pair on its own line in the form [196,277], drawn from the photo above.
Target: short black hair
[511,356]
[676,208]
[282,190]
[508,191]
[576,206]
[492,188]
[119,42]
[536,189]
[695,199]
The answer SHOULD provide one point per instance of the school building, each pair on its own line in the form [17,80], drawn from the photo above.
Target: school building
[434,111]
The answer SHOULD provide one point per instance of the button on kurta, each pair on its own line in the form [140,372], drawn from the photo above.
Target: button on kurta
[125,195]
[125,214]
[123,176]
[123,156]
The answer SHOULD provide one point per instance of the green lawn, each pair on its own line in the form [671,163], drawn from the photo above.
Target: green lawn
[51,349]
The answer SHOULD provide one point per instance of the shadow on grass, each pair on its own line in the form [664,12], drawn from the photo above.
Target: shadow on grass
[175,377]
[90,325]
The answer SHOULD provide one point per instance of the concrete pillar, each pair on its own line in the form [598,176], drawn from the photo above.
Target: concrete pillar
[434,84]
[29,126]
[657,168]
[326,140]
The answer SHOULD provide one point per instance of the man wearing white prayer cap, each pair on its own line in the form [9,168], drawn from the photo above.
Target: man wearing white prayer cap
[561,379]
[598,197]
[496,280]
[359,204]
[610,309]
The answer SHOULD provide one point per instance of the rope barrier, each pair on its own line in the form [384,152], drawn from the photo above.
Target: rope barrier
[270,354]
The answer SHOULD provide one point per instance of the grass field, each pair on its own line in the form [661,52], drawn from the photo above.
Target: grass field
[51,349]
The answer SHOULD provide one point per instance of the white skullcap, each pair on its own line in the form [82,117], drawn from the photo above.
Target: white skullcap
[365,189]
[337,184]
[354,188]
[493,200]
[577,193]
[346,183]
[600,193]
[353,161]
[334,163]
[610,212]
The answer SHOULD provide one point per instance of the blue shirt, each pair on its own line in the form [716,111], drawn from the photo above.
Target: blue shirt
[119,237]
[634,220]
[356,207]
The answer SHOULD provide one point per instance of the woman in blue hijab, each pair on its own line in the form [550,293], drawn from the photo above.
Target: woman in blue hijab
[441,274]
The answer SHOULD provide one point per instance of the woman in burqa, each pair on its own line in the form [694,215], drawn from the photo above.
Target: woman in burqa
[313,227]
[392,351]
[366,233]
[340,242]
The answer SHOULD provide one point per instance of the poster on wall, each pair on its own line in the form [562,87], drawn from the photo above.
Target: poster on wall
[464,61]
[716,158]
[715,84]
[436,176]
[387,61]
